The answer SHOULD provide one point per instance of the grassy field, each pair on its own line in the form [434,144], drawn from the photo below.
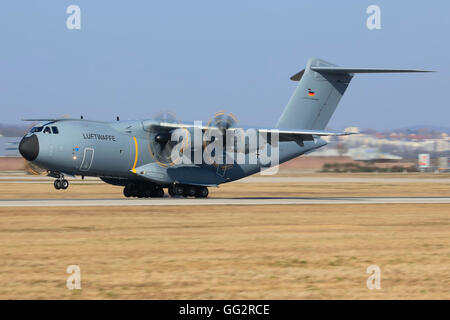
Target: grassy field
[228,252]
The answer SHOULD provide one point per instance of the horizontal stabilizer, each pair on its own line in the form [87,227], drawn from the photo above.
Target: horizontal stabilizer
[344,70]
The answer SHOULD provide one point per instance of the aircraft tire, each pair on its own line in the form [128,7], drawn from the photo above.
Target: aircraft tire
[127,192]
[202,192]
[57,184]
[158,193]
[170,190]
[64,184]
[178,190]
[140,193]
[189,191]
[148,193]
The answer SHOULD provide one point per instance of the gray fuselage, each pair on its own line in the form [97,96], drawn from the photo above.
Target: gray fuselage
[120,151]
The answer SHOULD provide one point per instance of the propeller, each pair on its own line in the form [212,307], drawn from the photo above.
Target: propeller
[165,116]
[223,120]
[160,144]
[160,147]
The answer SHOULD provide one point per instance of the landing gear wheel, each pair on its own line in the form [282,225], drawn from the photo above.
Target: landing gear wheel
[189,191]
[57,184]
[64,184]
[202,192]
[170,190]
[127,192]
[177,190]
[158,193]
[140,193]
[148,193]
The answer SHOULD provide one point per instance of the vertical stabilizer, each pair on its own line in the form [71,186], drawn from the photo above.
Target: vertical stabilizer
[315,98]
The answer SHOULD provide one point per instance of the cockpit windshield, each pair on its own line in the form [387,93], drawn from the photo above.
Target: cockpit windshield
[36,129]
[45,129]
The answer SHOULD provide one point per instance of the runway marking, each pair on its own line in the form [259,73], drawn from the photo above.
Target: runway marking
[385,180]
[216,201]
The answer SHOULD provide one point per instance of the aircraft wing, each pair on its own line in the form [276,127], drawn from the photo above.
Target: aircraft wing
[301,135]
[306,132]
[284,134]
[49,119]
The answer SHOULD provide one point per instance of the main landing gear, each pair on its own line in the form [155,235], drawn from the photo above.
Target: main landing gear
[143,191]
[178,190]
[146,190]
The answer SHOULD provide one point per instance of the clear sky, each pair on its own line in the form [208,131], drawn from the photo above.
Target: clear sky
[136,58]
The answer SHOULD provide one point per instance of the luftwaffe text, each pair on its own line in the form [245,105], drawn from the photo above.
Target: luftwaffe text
[97,136]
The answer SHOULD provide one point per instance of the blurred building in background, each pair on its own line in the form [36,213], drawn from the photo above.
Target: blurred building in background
[9,146]
[370,150]
[10,158]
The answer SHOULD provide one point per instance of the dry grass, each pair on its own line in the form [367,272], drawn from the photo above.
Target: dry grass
[225,252]
[270,252]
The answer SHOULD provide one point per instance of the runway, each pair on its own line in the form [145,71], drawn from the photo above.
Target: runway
[256,179]
[218,201]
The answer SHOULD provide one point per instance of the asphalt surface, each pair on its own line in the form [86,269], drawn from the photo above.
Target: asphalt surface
[257,179]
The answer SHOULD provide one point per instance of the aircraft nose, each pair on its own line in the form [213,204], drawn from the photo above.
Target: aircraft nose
[29,147]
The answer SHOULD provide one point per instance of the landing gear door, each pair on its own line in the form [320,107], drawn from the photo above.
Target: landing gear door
[88,156]
[222,169]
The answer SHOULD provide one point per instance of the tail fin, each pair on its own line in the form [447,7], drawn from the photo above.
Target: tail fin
[321,86]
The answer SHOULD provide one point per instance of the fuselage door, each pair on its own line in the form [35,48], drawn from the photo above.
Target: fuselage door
[88,156]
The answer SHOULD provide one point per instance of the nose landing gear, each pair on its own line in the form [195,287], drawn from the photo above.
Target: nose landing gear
[61,183]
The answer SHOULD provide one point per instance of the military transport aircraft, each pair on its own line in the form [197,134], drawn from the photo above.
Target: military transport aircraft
[137,154]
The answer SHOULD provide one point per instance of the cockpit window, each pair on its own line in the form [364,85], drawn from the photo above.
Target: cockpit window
[55,130]
[36,129]
[47,130]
